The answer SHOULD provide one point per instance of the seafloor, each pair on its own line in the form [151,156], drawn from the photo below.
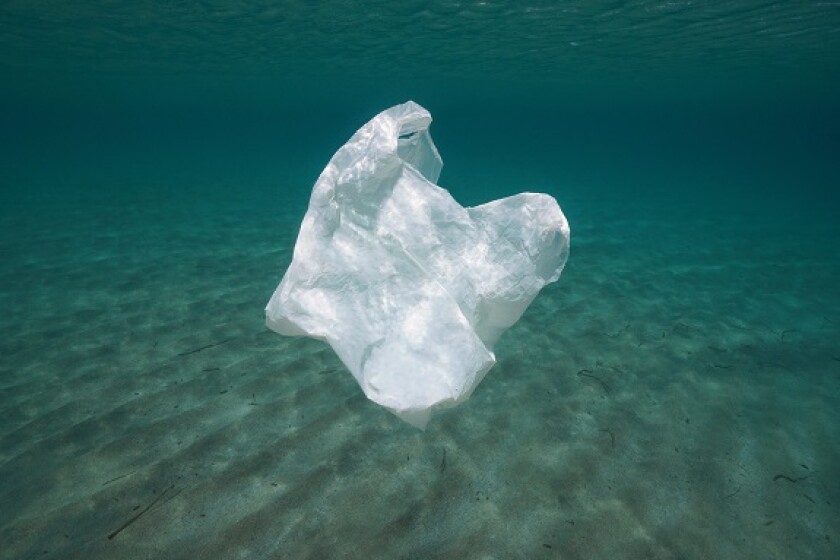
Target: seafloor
[675,395]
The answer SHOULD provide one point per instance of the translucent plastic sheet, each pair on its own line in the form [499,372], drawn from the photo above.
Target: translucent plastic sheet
[409,288]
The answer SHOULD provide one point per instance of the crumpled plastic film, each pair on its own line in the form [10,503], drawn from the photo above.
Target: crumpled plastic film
[409,288]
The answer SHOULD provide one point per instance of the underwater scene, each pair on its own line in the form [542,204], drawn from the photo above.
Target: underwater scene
[642,361]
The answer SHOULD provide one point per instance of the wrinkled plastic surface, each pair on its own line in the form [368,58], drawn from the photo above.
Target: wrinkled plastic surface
[409,288]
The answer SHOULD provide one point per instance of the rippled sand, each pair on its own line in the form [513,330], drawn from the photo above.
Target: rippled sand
[674,395]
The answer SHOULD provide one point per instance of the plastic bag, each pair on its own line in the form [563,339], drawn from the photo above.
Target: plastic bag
[409,288]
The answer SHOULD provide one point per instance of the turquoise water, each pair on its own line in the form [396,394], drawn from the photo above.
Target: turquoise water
[674,395]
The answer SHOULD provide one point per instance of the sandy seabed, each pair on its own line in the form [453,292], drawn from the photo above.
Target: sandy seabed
[675,395]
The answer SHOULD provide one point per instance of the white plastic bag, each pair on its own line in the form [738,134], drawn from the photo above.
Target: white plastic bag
[409,288]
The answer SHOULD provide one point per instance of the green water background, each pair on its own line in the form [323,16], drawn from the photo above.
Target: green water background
[728,105]
[156,160]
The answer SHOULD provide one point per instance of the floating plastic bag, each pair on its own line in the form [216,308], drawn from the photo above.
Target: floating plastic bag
[409,288]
